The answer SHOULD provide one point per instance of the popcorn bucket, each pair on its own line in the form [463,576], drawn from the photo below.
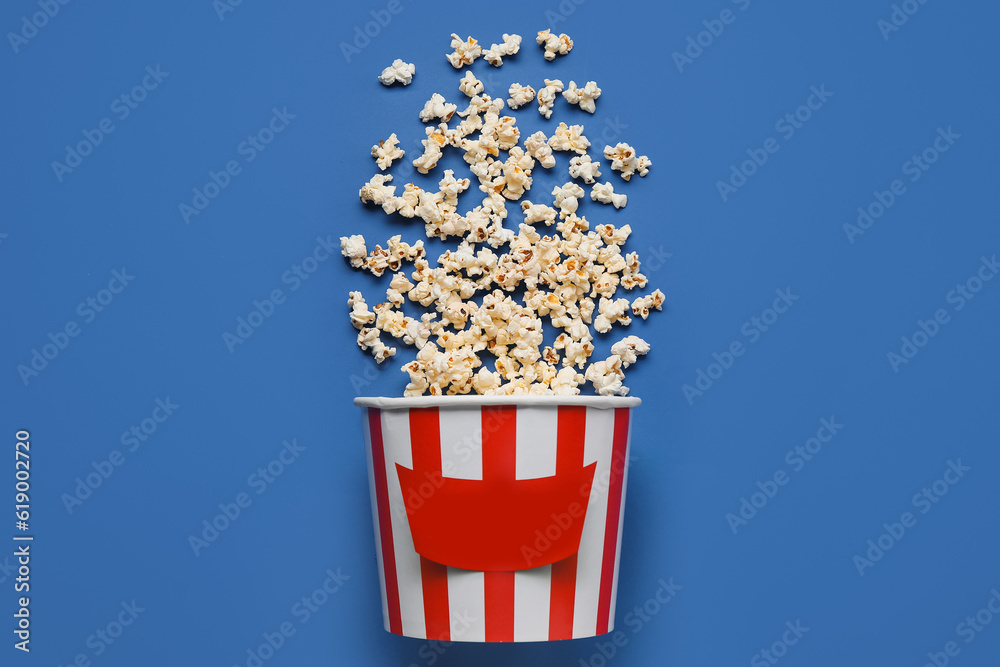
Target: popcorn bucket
[498,518]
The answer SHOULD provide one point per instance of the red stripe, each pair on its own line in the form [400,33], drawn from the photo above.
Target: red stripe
[499,429]
[384,520]
[572,428]
[619,461]
[425,444]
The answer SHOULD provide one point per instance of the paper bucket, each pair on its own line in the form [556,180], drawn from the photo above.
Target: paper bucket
[498,518]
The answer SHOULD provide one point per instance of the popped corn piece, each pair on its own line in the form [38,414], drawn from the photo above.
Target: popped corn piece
[377,192]
[398,71]
[605,194]
[519,95]
[511,45]
[583,167]
[624,159]
[547,96]
[611,311]
[641,305]
[583,96]
[607,376]
[470,85]
[554,45]
[451,187]
[537,146]
[507,133]
[368,339]
[629,349]
[436,107]
[614,236]
[631,278]
[385,151]
[432,150]
[353,248]
[360,315]
[568,198]
[486,381]
[569,138]
[567,382]
[538,213]
[465,51]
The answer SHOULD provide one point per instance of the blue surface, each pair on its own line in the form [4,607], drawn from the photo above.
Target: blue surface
[795,559]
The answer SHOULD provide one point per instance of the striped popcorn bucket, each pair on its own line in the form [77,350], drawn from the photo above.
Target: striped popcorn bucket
[498,518]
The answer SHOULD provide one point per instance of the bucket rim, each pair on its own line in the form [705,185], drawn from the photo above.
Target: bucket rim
[405,402]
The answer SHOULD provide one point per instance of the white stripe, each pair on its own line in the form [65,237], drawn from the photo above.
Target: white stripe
[375,519]
[621,524]
[532,589]
[467,605]
[598,446]
[462,443]
[536,442]
[396,440]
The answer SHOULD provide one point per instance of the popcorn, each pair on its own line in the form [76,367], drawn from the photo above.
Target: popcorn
[547,96]
[569,138]
[537,147]
[432,150]
[511,45]
[583,96]
[353,248]
[641,305]
[567,198]
[605,194]
[624,159]
[398,71]
[611,311]
[583,167]
[607,376]
[360,315]
[386,151]
[554,45]
[519,95]
[538,213]
[375,191]
[368,339]
[436,107]
[470,85]
[629,349]
[465,52]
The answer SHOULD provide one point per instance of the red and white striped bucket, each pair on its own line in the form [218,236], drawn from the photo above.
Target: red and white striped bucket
[498,519]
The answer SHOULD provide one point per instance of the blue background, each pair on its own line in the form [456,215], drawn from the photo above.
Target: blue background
[294,378]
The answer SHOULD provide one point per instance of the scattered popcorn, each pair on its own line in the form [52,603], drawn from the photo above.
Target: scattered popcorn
[605,194]
[624,159]
[537,147]
[607,376]
[538,213]
[369,339]
[398,71]
[629,349]
[583,167]
[567,198]
[386,151]
[432,150]
[377,192]
[569,138]
[360,315]
[519,95]
[353,248]
[470,85]
[554,45]
[436,107]
[641,305]
[611,311]
[465,51]
[547,96]
[511,45]
[583,96]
